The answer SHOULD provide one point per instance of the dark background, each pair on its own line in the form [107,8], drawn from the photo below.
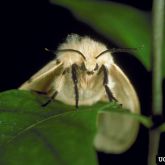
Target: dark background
[30,26]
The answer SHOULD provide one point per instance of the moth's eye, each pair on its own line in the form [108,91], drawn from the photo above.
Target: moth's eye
[96,67]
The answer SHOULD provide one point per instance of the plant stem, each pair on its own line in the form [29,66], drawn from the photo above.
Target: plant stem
[157,50]
[158,15]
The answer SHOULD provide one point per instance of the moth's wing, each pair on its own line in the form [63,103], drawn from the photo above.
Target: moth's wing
[117,133]
[43,79]
[123,90]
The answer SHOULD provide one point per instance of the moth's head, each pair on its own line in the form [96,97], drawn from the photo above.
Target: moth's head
[93,64]
[87,53]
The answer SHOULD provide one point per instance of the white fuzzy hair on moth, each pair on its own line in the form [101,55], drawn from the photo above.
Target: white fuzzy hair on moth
[84,73]
[89,48]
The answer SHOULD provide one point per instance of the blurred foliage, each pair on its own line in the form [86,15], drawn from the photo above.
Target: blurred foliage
[124,25]
[162,127]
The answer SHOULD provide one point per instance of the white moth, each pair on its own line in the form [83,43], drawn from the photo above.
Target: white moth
[84,73]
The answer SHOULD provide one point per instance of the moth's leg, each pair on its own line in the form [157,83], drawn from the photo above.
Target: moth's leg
[46,94]
[55,91]
[39,92]
[75,82]
[50,99]
[105,83]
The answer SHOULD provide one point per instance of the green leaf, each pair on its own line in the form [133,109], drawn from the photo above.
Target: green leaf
[19,109]
[56,134]
[116,108]
[124,25]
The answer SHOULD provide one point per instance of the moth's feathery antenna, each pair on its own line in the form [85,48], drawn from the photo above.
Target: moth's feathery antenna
[67,50]
[72,50]
[50,99]
[105,83]
[118,50]
[48,50]
[75,81]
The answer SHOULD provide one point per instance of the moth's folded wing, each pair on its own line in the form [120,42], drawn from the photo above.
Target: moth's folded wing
[117,132]
[42,80]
